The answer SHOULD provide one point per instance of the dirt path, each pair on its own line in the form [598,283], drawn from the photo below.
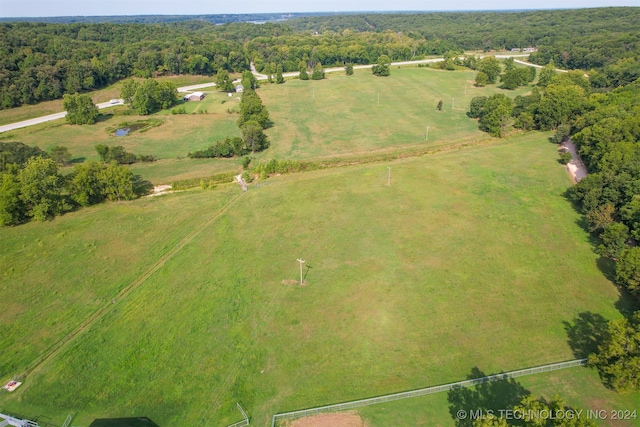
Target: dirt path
[342,419]
[576,169]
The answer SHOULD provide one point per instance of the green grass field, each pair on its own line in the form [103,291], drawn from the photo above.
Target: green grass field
[337,117]
[579,387]
[362,113]
[178,135]
[471,258]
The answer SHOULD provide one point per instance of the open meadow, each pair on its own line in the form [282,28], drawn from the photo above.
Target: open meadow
[470,258]
[336,117]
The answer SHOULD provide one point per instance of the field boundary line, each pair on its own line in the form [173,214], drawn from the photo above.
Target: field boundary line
[124,292]
[425,391]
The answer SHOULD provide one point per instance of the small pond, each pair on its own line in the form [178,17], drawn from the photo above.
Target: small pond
[130,128]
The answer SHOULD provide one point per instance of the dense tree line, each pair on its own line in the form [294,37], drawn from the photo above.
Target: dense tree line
[496,30]
[553,104]
[618,355]
[44,61]
[607,134]
[32,188]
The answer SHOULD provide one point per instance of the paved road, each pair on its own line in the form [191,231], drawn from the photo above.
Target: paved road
[259,76]
[50,117]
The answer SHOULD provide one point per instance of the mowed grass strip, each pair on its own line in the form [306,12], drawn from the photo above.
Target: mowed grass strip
[469,258]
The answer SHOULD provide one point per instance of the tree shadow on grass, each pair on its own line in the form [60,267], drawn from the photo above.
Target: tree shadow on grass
[586,333]
[77,160]
[489,396]
[124,422]
[141,186]
[103,117]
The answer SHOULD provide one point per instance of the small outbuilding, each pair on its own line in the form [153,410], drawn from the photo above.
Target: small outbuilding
[195,96]
[239,89]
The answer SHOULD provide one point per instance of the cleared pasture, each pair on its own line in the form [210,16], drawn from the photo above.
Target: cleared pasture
[470,258]
[336,117]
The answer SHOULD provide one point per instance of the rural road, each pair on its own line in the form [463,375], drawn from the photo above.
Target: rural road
[50,117]
[56,116]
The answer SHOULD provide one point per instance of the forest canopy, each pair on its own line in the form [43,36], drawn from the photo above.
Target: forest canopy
[43,61]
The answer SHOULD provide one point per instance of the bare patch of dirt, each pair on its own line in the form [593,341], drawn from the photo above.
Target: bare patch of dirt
[576,169]
[343,419]
[160,189]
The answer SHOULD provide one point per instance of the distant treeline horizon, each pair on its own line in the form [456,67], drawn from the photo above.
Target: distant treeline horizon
[41,61]
[223,18]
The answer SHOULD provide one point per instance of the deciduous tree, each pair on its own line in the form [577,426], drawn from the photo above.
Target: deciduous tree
[80,109]
[490,66]
[618,357]
[383,66]
[628,270]
[12,208]
[86,184]
[118,182]
[349,69]
[496,115]
[318,72]
[254,138]
[223,81]
[41,189]
[60,155]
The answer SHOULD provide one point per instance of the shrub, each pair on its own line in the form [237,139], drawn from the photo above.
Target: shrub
[245,162]
[565,157]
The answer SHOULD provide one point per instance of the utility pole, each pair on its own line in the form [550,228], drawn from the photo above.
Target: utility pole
[427,137]
[389,177]
[301,261]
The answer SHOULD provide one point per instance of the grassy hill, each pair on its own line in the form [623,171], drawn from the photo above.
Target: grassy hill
[471,258]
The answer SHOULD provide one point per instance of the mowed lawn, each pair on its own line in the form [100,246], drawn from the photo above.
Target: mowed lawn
[362,113]
[471,258]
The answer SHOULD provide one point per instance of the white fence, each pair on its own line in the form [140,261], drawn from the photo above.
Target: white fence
[242,423]
[424,391]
